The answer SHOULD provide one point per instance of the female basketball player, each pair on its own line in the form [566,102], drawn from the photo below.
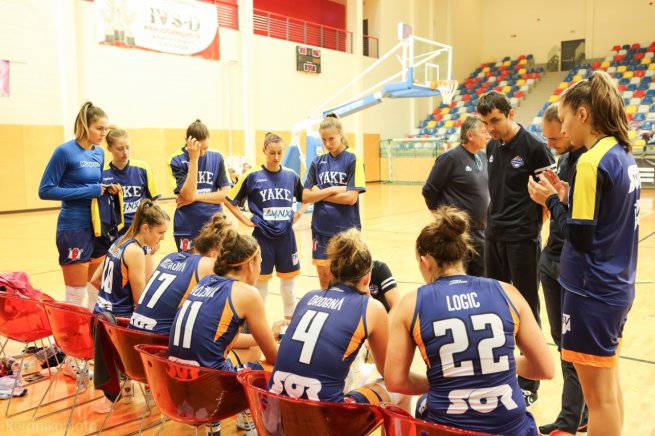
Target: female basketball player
[272,191]
[136,182]
[334,181]
[206,326]
[328,329]
[465,328]
[129,261]
[200,183]
[174,278]
[74,176]
[601,226]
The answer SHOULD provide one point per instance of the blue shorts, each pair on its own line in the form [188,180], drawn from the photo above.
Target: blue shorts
[319,248]
[101,247]
[280,253]
[591,330]
[184,242]
[75,246]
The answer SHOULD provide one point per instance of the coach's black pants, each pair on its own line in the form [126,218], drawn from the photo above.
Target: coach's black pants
[572,399]
[475,262]
[517,262]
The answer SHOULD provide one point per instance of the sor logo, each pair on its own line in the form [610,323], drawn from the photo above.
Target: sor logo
[75,253]
[483,400]
[295,385]
[185,244]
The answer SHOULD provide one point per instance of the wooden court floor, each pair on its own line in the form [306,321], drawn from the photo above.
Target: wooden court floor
[392,216]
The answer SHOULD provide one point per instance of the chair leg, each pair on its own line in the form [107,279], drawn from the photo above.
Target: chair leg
[52,380]
[113,404]
[17,377]
[161,427]
[70,415]
[2,350]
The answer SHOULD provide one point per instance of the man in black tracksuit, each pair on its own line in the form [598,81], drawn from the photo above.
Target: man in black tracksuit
[459,178]
[573,406]
[513,241]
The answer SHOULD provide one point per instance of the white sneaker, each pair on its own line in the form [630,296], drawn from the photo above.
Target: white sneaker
[82,375]
[127,394]
[245,422]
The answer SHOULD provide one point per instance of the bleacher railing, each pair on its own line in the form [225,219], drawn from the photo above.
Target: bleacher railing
[227,13]
[409,160]
[304,32]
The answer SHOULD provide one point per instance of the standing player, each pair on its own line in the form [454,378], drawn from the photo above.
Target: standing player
[200,182]
[513,235]
[465,328]
[569,417]
[271,191]
[459,178]
[328,329]
[334,182]
[174,278]
[73,175]
[129,261]
[136,182]
[599,258]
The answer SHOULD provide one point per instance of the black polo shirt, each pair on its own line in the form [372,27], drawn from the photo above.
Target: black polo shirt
[512,215]
[382,281]
[566,172]
[456,180]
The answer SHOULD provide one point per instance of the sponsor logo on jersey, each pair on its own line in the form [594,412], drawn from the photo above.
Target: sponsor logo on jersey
[87,164]
[374,289]
[185,244]
[517,162]
[566,323]
[278,213]
[468,168]
[75,253]
[294,258]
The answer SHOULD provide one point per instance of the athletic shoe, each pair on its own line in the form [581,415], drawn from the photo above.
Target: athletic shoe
[547,429]
[529,397]
[127,393]
[244,420]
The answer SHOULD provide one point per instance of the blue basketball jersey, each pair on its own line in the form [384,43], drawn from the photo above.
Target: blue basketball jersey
[321,342]
[206,325]
[605,194]
[344,170]
[212,177]
[167,288]
[115,293]
[271,197]
[73,176]
[137,183]
[464,327]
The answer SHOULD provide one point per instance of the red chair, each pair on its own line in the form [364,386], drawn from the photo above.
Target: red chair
[124,340]
[277,414]
[22,320]
[72,330]
[397,422]
[190,394]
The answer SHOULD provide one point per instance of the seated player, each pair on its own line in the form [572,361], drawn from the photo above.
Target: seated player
[328,329]
[174,278]
[465,328]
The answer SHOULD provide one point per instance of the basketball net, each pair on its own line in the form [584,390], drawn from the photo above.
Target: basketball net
[447,89]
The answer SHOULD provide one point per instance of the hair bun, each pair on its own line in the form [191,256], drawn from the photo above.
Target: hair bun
[332,115]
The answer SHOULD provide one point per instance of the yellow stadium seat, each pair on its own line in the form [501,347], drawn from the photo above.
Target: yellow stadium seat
[431,124]
[552,99]
[577,78]
[520,82]
[507,89]
[523,62]
[605,64]
[445,111]
[507,63]
[632,134]
[640,142]
[628,75]
[448,124]
[651,66]
[646,60]
[563,85]
[522,71]
[485,70]
[621,68]
[631,109]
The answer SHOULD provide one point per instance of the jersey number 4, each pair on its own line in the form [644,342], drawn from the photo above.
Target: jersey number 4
[308,330]
[488,363]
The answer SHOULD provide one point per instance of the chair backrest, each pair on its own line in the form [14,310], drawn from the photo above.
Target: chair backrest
[190,394]
[277,414]
[72,328]
[397,422]
[124,339]
[23,319]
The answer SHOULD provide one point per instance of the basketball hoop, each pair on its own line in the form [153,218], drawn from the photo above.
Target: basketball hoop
[447,89]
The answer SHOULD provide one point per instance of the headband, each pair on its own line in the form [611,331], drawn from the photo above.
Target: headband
[243,262]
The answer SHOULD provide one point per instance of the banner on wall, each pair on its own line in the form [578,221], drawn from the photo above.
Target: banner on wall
[4,78]
[181,27]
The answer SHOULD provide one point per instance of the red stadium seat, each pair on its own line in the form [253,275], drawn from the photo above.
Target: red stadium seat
[595,65]
[277,414]
[124,340]
[397,422]
[22,320]
[190,394]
